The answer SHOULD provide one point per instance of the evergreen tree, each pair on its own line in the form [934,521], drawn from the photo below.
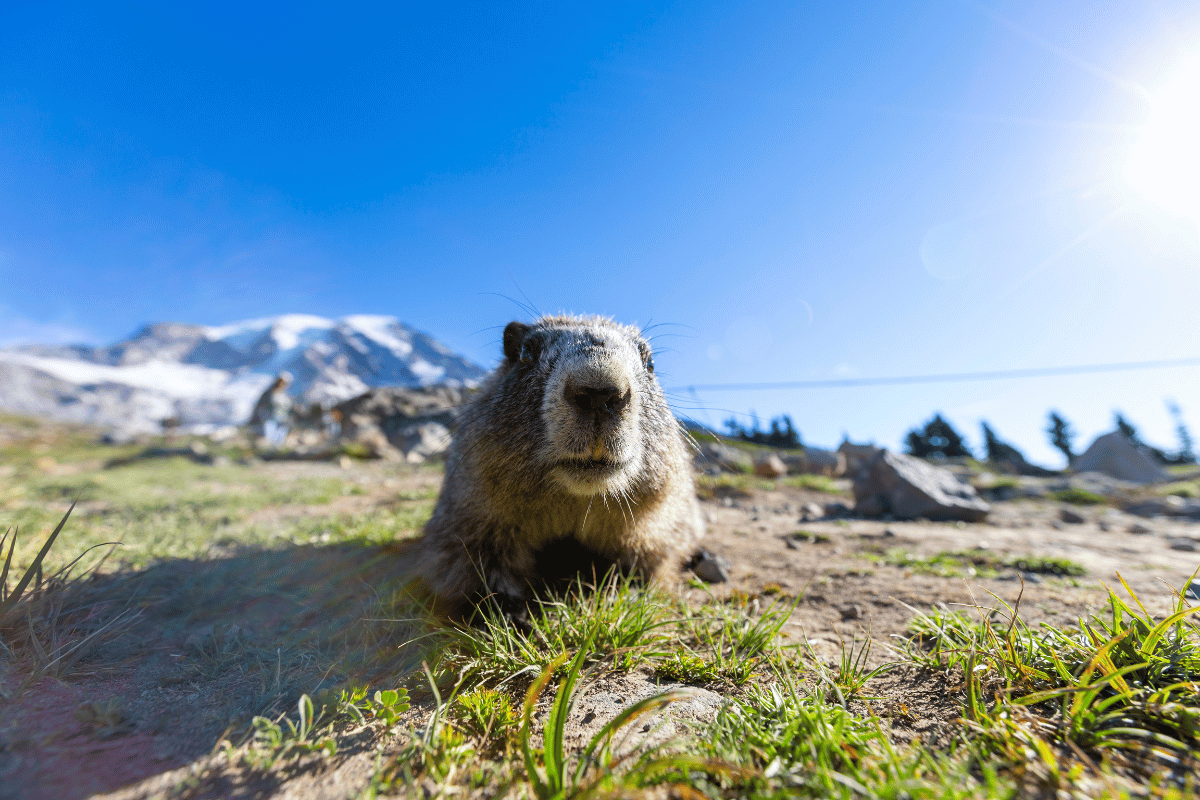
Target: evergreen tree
[1130,432]
[1186,454]
[1061,435]
[1126,427]
[783,432]
[997,450]
[937,439]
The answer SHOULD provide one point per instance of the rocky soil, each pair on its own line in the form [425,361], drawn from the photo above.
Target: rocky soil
[141,715]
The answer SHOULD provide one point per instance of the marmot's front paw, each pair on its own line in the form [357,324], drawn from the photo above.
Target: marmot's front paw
[516,611]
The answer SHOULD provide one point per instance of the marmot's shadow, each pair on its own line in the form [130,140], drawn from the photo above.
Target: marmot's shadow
[208,644]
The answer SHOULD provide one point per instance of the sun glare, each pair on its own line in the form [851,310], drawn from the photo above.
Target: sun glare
[1164,163]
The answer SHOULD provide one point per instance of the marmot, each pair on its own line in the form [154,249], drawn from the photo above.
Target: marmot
[568,460]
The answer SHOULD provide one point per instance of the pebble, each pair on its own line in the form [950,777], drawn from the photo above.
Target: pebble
[1186,545]
[1071,516]
[710,567]
[850,611]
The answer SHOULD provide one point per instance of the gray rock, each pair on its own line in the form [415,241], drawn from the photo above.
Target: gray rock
[1071,516]
[1193,590]
[1170,506]
[725,457]
[857,455]
[769,465]
[1115,455]
[815,461]
[710,567]
[401,424]
[907,488]
[1184,544]
[837,509]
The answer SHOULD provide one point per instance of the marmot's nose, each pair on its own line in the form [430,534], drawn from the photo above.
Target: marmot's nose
[603,400]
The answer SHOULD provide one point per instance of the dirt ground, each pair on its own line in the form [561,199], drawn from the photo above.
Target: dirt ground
[141,716]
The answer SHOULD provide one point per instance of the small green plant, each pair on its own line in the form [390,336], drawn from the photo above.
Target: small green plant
[851,674]
[1079,497]
[687,668]
[274,741]
[810,536]
[486,713]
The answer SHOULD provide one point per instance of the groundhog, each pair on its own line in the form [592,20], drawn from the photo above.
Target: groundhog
[569,460]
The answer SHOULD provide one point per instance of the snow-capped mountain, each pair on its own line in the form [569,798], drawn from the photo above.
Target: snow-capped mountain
[211,376]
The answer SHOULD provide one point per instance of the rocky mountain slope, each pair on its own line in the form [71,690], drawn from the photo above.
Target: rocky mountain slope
[211,376]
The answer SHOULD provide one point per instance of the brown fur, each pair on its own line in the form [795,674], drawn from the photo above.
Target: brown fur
[570,447]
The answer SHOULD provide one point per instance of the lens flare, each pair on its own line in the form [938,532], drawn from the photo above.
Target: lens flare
[1164,163]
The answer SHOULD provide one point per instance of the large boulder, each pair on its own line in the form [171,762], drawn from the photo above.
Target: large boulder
[857,455]
[397,423]
[1114,455]
[908,488]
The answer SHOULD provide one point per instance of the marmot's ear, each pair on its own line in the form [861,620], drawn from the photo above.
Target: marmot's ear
[514,337]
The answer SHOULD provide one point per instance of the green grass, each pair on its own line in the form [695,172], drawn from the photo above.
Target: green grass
[710,486]
[1079,497]
[815,483]
[1189,489]
[174,508]
[1116,697]
[982,563]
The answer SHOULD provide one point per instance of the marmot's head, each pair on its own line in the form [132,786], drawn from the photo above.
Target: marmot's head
[591,382]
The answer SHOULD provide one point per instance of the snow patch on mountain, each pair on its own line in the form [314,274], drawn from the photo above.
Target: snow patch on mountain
[212,375]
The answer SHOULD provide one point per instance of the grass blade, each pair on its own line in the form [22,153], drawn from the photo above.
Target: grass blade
[34,569]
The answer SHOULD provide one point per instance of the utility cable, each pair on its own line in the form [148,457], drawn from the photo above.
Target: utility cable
[948,377]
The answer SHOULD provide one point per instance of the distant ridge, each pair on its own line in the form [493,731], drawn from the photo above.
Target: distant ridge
[208,376]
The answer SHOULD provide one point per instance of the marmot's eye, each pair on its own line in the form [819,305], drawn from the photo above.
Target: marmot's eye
[650,363]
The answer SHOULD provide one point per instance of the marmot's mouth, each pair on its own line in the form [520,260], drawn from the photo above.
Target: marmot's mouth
[590,466]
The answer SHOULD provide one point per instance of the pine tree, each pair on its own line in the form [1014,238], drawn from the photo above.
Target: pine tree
[1061,435]
[937,439]
[999,451]
[1186,454]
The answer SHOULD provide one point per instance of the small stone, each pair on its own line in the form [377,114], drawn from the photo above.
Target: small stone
[1138,528]
[888,533]
[1071,516]
[1186,545]
[850,611]
[810,511]
[710,567]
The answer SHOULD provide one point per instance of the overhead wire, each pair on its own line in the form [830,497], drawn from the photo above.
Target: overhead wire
[947,377]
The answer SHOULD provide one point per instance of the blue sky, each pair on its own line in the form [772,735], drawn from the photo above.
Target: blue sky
[795,191]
